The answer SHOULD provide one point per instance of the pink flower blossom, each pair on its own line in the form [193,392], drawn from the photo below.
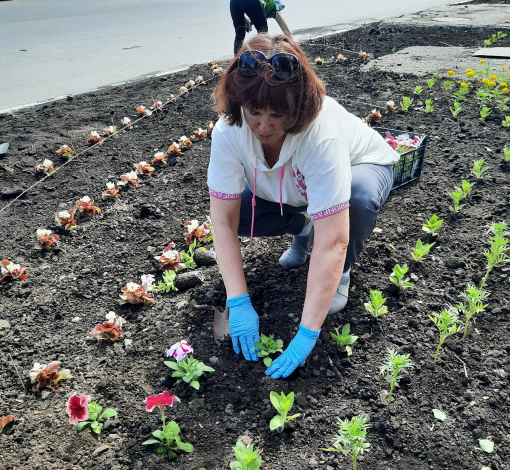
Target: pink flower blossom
[160,401]
[77,408]
[180,350]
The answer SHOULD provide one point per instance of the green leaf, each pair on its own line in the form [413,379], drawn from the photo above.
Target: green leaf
[94,424]
[486,445]
[161,450]
[172,365]
[184,446]
[235,466]
[195,384]
[108,413]
[276,422]
[275,400]
[268,361]
[97,430]
[438,414]
[81,425]
[158,433]
[293,417]
[151,441]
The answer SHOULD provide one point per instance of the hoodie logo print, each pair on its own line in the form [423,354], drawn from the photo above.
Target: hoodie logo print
[300,183]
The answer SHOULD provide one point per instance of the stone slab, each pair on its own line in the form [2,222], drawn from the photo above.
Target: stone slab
[500,52]
[481,16]
[426,60]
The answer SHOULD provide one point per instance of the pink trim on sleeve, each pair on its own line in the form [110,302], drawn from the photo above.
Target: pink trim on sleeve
[219,195]
[330,211]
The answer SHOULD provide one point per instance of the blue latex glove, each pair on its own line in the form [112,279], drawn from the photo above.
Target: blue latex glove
[244,326]
[299,349]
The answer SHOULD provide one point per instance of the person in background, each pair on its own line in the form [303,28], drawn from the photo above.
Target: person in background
[257,12]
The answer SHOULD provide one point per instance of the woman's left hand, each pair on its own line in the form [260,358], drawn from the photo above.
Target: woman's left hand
[295,355]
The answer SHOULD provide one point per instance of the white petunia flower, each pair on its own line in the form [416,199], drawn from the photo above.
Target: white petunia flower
[110,186]
[36,369]
[192,225]
[85,199]
[64,215]
[43,232]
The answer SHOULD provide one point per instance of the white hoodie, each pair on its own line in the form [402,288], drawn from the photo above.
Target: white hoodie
[314,168]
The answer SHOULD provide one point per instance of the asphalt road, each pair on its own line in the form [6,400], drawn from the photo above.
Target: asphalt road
[51,48]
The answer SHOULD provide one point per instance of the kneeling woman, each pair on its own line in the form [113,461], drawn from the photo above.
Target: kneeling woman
[286,158]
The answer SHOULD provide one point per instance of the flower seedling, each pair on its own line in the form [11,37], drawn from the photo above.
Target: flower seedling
[158,105]
[319,61]
[397,277]
[391,107]
[432,225]
[143,168]
[506,154]
[376,305]
[499,246]
[363,55]
[201,134]
[42,375]
[142,111]
[5,421]
[344,339]
[218,71]
[418,90]
[111,192]
[168,438]
[447,324]
[77,414]
[429,107]
[185,143]
[110,329]
[421,250]
[170,259]
[351,438]
[159,159]
[475,298]
[46,240]
[478,169]
[457,108]
[431,82]
[94,137]
[174,149]
[402,142]
[183,91]
[86,206]
[138,294]
[131,179]
[11,272]
[65,151]
[267,346]
[126,122]
[188,369]
[405,103]
[190,85]
[45,167]
[246,457]
[66,220]
[197,232]
[392,367]
[467,187]
[200,80]
[340,58]
[456,195]
[166,284]
[506,121]
[374,116]
[448,85]
[172,99]
[484,112]
[283,405]
[110,130]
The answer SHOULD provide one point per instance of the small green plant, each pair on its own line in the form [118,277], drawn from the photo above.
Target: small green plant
[392,367]
[506,121]
[393,50]
[283,405]
[475,298]
[478,169]
[502,104]
[432,225]
[166,284]
[506,154]
[246,457]
[397,277]
[187,257]
[483,96]
[405,103]
[421,250]
[376,305]
[457,108]
[418,90]
[169,440]
[498,248]
[484,112]
[431,82]
[460,94]
[457,196]
[344,339]
[429,107]
[448,85]
[95,416]
[436,76]
[447,324]
[501,35]
[351,438]
[267,346]
[467,187]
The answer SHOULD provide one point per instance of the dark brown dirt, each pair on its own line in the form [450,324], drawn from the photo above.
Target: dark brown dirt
[83,281]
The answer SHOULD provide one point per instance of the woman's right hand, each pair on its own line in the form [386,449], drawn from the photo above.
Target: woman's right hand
[244,326]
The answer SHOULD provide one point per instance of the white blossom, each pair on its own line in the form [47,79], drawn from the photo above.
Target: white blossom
[64,215]
[110,186]
[43,232]
[36,369]
[192,225]
[85,199]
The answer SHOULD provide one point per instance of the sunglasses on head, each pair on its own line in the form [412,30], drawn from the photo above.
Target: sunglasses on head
[285,65]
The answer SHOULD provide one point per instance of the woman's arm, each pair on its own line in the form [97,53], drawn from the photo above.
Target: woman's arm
[283,24]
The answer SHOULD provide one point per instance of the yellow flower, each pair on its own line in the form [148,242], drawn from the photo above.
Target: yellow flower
[464,85]
[492,83]
[503,67]
[469,70]
[486,81]
[505,90]
[451,73]
[482,61]
[471,74]
[503,84]
[494,77]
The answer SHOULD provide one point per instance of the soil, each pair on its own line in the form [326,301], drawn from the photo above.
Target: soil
[69,291]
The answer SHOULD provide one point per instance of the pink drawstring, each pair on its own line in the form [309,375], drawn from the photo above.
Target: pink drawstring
[253,204]
[281,177]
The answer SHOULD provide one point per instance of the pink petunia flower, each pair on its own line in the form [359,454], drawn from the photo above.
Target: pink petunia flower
[77,408]
[160,401]
[180,350]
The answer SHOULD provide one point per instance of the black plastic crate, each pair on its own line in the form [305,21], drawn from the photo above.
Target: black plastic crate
[408,168]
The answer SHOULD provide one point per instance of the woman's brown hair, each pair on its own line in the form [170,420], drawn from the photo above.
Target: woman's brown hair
[300,98]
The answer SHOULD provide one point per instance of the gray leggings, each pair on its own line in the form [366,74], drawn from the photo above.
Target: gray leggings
[370,187]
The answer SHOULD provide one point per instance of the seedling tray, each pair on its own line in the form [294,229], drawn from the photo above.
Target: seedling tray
[408,168]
